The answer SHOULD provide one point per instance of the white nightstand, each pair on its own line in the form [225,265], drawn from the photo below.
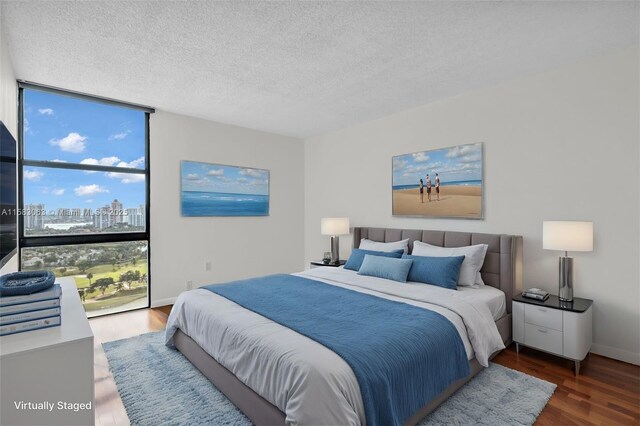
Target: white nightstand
[54,365]
[560,328]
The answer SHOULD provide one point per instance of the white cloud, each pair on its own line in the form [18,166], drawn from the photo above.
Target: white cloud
[242,179]
[193,176]
[217,172]
[73,142]
[399,163]
[464,150]
[106,161]
[420,157]
[32,175]
[58,191]
[128,177]
[252,172]
[58,161]
[473,158]
[93,189]
[90,200]
[45,111]
[119,136]
[135,164]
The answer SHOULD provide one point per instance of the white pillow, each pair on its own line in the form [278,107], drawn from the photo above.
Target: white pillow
[470,268]
[386,247]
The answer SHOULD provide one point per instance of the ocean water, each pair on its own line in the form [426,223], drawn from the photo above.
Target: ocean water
[453,183]
[196,203]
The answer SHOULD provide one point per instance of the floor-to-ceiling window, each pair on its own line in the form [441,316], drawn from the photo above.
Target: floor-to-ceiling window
[84,195]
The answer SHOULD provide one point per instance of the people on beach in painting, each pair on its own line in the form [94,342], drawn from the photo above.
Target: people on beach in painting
[421,191]
[437,186]
[428,188]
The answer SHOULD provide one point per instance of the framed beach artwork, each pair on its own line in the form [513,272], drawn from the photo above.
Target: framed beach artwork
[220,190]
[444,182]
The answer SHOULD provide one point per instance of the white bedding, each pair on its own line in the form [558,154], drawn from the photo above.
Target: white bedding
[305,380]
[495,299]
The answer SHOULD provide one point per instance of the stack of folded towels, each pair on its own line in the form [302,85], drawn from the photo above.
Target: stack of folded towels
[29,301]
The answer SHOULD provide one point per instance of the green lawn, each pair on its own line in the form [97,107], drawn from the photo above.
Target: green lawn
[112,302]
[104,271]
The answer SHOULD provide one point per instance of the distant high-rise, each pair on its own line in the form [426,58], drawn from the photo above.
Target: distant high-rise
[102,217]
[116,207]
[135,216]
[34,217]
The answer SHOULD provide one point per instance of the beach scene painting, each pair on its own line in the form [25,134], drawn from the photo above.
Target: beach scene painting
[220,190]
[443,182]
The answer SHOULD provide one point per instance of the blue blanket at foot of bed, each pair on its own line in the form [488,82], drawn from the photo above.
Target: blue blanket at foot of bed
[402,356]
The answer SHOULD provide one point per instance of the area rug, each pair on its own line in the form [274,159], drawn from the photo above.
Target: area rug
[159,386]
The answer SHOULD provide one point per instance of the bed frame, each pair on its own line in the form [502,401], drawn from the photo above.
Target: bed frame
[502,269]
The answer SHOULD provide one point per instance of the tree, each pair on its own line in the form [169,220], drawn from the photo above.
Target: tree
[134,261]
[63,270]
[89,277]
[104,283]
[83,265]
[119,285]
[129,277]
[38,264]
[81,292]
[143,278]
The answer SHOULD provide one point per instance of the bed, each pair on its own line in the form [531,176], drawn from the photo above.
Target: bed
[278,376]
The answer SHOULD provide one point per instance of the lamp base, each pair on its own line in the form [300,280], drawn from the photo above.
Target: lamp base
[565,282]
[335,250]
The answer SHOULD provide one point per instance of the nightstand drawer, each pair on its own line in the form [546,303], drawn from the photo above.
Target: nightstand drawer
[545,317]
[543,338]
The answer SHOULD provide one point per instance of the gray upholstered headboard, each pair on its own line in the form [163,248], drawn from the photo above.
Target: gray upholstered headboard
[502,266]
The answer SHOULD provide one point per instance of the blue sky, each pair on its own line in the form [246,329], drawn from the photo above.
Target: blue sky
[72,130]
[458,163]
[217,178]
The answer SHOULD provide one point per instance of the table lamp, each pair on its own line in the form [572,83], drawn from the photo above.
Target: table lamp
[567,236]
[334,226]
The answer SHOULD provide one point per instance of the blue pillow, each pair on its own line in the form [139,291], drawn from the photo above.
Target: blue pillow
[385,267]
[357,256]
[440,271]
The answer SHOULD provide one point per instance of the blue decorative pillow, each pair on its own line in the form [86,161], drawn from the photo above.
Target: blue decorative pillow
[440,271]
[385,267]
[357,256]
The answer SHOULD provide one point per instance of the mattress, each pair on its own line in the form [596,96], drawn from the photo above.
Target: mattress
[303,379]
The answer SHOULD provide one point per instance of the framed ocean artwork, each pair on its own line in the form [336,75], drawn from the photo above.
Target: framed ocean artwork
[221,190]
[446,183]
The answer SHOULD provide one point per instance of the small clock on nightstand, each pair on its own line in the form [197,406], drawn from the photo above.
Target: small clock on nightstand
[560,328]
[318,263]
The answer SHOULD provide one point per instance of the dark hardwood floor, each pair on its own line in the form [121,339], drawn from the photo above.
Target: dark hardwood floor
[607,392]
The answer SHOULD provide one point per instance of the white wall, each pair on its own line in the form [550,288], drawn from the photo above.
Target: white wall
[8,113]
[559,145]
[238,247]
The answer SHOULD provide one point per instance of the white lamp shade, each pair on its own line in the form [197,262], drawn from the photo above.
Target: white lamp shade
[567,235]
[334,225]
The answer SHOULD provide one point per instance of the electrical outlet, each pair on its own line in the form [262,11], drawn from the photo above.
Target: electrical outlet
[207,266]
[189,285]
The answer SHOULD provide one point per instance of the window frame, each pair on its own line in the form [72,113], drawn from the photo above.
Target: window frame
[31,241]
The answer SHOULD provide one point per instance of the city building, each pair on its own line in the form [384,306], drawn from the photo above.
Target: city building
[34,217]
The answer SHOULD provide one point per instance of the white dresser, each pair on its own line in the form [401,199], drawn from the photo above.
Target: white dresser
[560,328]
[52,369]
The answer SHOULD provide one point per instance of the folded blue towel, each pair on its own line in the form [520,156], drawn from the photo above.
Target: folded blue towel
[21,283]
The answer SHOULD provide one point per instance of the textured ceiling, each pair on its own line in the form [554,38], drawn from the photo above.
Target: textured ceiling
[301,68]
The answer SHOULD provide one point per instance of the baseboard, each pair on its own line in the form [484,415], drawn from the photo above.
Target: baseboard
[615,353]
[163,302]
